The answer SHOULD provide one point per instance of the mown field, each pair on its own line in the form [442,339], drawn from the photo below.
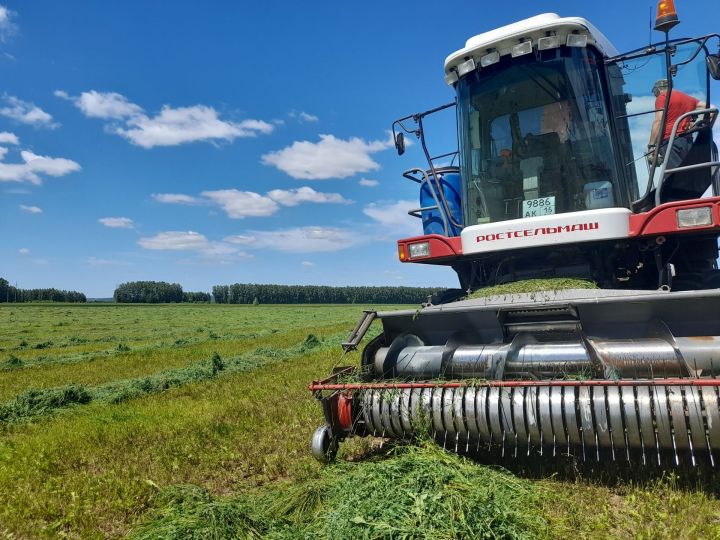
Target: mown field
[182,421]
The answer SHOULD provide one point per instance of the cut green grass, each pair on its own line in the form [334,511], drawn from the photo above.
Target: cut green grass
[533,286]
[103,470]
[36,403]
[415,492]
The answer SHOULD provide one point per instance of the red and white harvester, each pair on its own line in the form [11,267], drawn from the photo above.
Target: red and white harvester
[557,178]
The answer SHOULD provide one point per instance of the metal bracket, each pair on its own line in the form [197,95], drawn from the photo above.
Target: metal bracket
[358,332]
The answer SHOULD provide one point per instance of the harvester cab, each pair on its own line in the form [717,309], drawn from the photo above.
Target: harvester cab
[557,176]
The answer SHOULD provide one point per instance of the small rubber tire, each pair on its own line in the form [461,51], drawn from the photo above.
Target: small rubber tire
[324,445]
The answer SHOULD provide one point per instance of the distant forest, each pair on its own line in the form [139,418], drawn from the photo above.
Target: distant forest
[8,293]
[156,292]
[248,293]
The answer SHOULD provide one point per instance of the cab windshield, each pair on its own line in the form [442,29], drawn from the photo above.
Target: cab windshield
[534,137]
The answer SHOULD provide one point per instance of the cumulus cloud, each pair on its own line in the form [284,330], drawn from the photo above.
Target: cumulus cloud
[117,222]
[307,239]
[302,116]
[191,242]
[175,241]
[240,204]
[23,251]
[8,138]
[311,239]
[393,215]
[293,197]
[188,124]
[241,239]
[175,198]
[26,113]
[7,26]
[106,105]
[368,183]
[329,158]
[33,166]
[31,209]
[172,126]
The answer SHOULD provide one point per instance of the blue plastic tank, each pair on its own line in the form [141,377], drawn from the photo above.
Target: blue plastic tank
[451,185]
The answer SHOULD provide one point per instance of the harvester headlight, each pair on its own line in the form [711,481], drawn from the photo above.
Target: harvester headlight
[490,59]
[521,48]
[694,217]
[576,40]
[548,42]
[466,67]
[451,78]
[419,249]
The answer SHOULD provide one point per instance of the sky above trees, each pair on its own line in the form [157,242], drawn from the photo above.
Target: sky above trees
[220,142]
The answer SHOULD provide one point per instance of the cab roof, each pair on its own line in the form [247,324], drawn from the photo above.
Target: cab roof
[504,38]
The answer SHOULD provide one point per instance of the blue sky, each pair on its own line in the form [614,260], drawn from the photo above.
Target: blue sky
[217,142]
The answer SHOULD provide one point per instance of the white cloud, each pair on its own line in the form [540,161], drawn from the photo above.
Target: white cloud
[27,113]
[170,127]
[329,158]
[368,183]
[8,138]
[293,197]
[241,239]
[107,105]
[7,26]
[393,216]
[307,264]
[240,204]
[308,239]
[117,222]
[33,166]
[302,116]
[3,152]
[173,126]
[175,198]
[31,209]
[191,241]
[23,251]
[175,241]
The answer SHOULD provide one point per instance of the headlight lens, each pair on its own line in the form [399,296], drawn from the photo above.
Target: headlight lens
[694,217]
[420,249]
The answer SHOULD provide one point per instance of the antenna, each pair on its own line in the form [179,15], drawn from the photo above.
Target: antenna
[650,21]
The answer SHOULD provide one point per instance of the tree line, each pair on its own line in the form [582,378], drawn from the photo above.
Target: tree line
[156,292]
[9,293]
[248,293]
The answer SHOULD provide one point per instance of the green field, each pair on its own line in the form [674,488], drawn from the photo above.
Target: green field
[180,420]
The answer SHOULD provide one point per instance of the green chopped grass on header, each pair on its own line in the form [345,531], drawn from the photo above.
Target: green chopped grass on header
[419,492]
[533,286]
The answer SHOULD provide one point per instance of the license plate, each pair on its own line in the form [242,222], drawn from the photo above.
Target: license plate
[544,206]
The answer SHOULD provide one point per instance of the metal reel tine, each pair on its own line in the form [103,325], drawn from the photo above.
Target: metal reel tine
[712,459]
[597,447]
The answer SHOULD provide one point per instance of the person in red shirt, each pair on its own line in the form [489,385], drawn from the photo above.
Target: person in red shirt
[680,103]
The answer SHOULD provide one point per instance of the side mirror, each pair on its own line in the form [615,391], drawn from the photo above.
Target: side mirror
[713,65]
[400,144]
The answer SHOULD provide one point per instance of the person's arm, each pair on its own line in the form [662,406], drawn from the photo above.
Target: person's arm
[655,129]
[700,117]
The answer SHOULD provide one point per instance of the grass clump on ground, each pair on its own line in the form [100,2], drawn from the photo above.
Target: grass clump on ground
[533,286]
[34,403]
[416,492]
